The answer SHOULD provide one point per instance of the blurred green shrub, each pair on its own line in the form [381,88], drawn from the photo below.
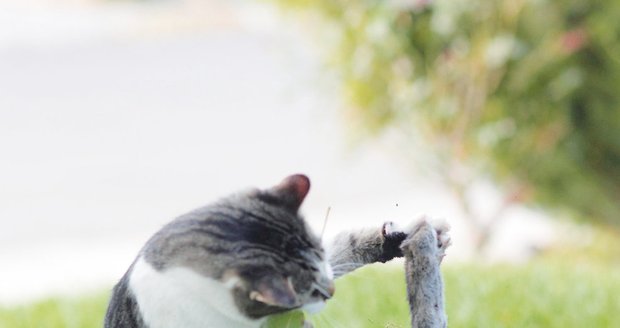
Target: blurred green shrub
[524,92]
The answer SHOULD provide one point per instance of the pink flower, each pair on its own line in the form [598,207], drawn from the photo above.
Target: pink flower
[573,40]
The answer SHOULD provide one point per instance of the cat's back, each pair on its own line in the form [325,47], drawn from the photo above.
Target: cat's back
[174,283]
[123,309]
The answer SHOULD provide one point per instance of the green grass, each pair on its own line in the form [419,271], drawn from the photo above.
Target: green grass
[536,295]
[80,312]
[547,293]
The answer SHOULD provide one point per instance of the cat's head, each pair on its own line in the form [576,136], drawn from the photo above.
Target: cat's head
[281,264]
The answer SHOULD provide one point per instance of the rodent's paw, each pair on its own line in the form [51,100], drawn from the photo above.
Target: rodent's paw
[392,238]
[444,239]
[388,228]
[391,232]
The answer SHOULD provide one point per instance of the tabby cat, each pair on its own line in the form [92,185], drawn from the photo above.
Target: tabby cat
[238,261]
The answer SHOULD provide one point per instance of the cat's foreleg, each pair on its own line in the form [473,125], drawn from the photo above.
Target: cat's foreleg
[424,249]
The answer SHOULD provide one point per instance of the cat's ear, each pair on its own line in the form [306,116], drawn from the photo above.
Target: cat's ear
[293,190]
[275,291]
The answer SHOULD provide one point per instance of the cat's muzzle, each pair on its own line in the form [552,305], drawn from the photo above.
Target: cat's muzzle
[324,291]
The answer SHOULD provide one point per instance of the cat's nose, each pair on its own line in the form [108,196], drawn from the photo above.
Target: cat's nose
[325,290]
[331,289]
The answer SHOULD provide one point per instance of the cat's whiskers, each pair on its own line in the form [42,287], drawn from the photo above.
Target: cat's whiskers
[340,273]
[347,264]
[329,208]
[343,268]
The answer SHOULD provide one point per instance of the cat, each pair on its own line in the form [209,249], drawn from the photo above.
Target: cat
[240,260]
[424,249]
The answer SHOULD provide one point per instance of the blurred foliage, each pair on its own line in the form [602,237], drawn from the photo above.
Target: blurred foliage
[583,246]
[525,92]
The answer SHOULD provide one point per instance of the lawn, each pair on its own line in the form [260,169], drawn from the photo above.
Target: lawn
[544,293]
[536,295]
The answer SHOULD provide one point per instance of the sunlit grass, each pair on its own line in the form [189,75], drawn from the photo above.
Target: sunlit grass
[80,312]
[535,295]
[573,285]
[544,293]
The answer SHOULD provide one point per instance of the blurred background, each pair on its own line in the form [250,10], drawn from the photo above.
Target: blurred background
[500,116]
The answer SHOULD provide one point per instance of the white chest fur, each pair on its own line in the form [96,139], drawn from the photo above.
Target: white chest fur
[179,297]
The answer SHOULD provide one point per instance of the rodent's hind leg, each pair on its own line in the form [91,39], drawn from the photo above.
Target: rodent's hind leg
[424,249]
[441,230]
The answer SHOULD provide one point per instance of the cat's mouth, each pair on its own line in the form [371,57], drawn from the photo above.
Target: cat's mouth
[323,292]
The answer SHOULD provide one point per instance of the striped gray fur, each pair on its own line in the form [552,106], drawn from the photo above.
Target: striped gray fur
[259,237]
[423,250]
[123,309]
[236,232]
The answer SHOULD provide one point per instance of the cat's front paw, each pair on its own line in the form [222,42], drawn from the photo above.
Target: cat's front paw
[392,238]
